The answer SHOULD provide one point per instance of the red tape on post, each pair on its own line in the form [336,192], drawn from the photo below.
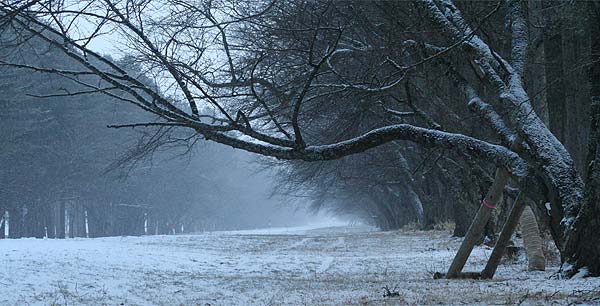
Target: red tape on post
[487,204]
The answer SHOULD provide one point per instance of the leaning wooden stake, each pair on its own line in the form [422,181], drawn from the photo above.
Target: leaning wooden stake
[483,215]
[507,230]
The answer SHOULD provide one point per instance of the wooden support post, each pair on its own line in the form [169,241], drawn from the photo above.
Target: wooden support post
[507,230]
[461,275]
[483,215]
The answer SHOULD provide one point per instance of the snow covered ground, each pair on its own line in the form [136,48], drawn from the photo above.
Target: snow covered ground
[343,265]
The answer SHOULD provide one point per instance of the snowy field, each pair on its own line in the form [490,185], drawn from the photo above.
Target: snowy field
[295,266]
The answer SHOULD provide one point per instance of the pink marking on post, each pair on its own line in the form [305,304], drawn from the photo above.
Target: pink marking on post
[487,204]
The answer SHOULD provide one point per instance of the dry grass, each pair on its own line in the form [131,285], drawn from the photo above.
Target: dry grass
[335,266]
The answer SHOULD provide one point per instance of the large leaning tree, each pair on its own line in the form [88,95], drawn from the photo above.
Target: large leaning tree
[249,74]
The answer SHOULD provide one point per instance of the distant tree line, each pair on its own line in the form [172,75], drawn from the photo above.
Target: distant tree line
[64,173]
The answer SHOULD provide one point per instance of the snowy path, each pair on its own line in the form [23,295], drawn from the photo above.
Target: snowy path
[302,266]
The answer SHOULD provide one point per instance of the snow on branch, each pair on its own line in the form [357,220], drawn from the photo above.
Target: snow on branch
[499,155]
[493,119]
[550,155]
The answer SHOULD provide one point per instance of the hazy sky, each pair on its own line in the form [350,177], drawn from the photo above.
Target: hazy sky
[258,209]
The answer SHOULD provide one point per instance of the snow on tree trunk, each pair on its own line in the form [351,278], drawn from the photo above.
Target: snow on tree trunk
[1,224]
[67,228]
[416,206]
[582,247]
[6,224]
[87,225]
[145,223]
[546,152]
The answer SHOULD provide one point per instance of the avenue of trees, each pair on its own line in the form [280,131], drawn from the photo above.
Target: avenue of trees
[64,173]
[406,109]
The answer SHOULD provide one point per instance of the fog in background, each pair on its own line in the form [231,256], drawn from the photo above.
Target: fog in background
[66,174]
[245,192]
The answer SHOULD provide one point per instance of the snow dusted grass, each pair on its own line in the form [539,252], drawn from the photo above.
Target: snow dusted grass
[300,266]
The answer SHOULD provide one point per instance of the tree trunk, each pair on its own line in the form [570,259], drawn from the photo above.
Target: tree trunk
[582,247]
[555,92]
[536,11]
[545,152]
[461,218]
[416,205]
[2,215]
[6,230]
[60,225]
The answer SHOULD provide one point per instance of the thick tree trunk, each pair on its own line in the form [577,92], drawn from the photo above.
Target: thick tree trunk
[461,218]
[555,92]
[408,192]
[582,248]
[416,206]
[537,83]
[545,152]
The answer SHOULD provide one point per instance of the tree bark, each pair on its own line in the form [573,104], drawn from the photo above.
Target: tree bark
[555,92]
[582,247]
[546,152]
[60,225]
[461,217]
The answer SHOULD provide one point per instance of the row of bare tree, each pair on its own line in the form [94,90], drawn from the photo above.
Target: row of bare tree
[63,173]
[470,83]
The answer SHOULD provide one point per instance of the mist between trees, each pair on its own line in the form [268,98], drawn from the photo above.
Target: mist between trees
[65,174]
[389,112]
